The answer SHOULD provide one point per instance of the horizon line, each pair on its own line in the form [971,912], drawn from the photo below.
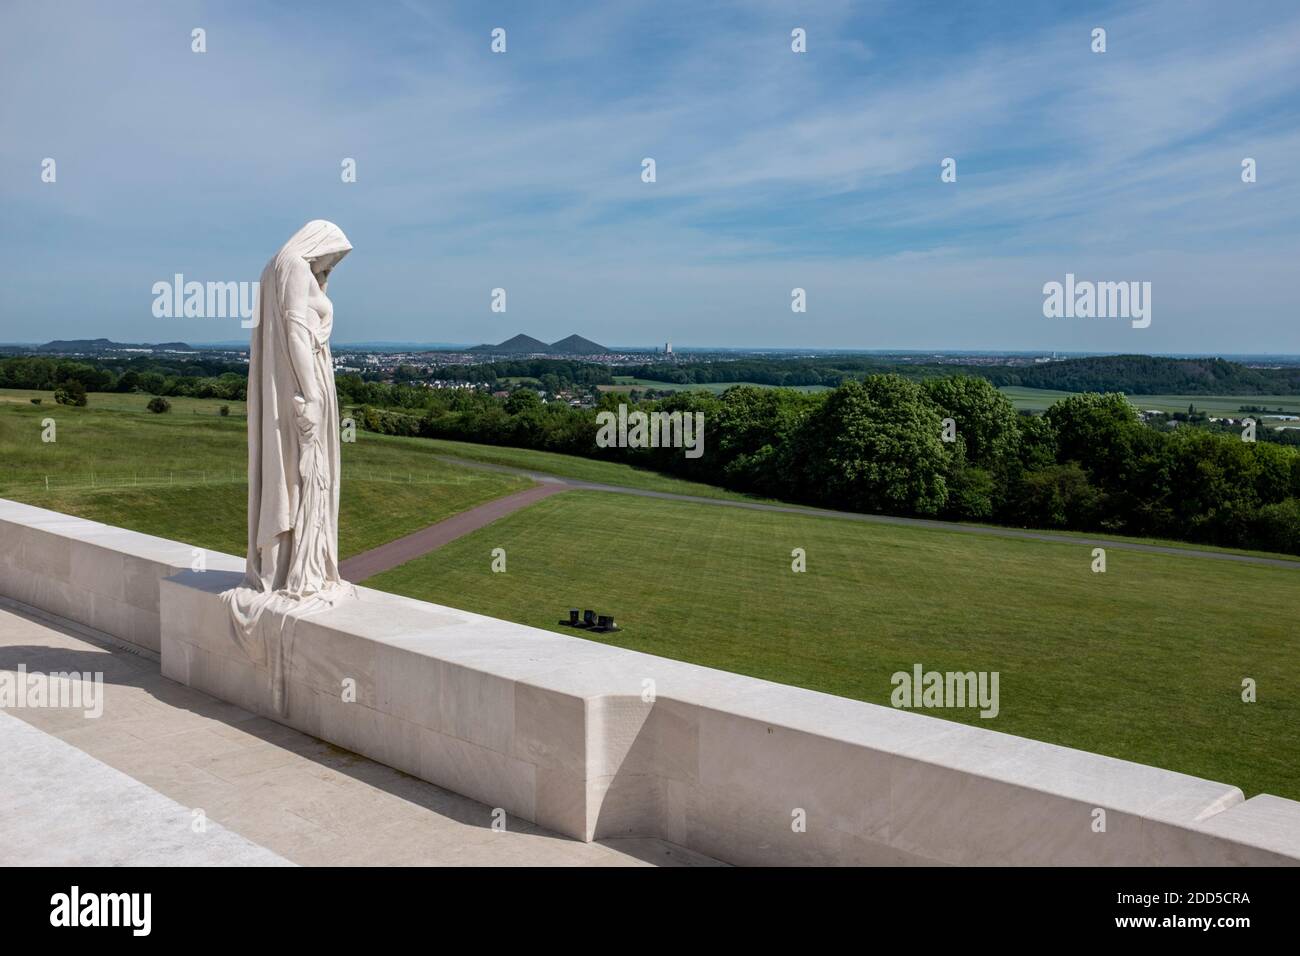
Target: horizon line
[410,345]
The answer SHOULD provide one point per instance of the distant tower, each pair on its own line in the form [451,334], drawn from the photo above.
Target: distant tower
[668,348]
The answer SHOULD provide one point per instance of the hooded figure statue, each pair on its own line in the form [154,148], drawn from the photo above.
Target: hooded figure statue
[293,451]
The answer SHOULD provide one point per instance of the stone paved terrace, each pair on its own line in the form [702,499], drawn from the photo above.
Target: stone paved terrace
[122,788]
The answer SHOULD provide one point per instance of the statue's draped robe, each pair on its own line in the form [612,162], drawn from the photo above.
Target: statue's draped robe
[293,481]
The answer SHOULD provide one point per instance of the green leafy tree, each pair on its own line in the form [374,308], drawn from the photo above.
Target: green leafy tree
[152,383]
[1058,496]
[986,420]
[1277,527]
[875,445]
[522,400]
[1036,441]
[754,431]
[1085,422]
[71,392]
[972,494]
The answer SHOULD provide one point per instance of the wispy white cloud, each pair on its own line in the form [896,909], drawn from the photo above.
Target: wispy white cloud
[522,170]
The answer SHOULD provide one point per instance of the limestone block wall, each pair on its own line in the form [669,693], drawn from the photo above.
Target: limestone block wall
[94,574]
[595,741]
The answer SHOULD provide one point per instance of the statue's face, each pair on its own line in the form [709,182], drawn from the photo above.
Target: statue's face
[322,274]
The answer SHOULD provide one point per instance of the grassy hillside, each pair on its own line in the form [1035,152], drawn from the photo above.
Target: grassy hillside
[627,476]
[1144,662]
[181,474]
[571,466]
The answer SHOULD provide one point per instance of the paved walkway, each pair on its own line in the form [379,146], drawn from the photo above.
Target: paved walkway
[63,807]
[124,788]
[952,526]
[399,551]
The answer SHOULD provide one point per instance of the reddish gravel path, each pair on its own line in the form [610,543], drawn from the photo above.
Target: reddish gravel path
[390,555]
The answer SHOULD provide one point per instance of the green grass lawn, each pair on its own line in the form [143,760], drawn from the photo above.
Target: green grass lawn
[613,473]
[182,475]
[128,402]
[570,466]
[1038,399]
[1144,662]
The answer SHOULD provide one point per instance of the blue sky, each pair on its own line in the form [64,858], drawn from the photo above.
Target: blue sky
[522,170]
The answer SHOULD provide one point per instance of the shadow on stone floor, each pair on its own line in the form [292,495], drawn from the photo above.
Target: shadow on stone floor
[131,672]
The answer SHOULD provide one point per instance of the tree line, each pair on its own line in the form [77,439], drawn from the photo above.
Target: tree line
[872,444]
[195,378]
[878,445]
[1132,374]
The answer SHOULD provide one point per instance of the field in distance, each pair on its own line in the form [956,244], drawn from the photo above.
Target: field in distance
[1223,406]
[625,383]
[1030,399]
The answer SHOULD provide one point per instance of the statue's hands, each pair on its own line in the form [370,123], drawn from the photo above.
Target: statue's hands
[308,417]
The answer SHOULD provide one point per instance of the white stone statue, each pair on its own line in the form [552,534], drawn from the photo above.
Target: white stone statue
[293,452]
